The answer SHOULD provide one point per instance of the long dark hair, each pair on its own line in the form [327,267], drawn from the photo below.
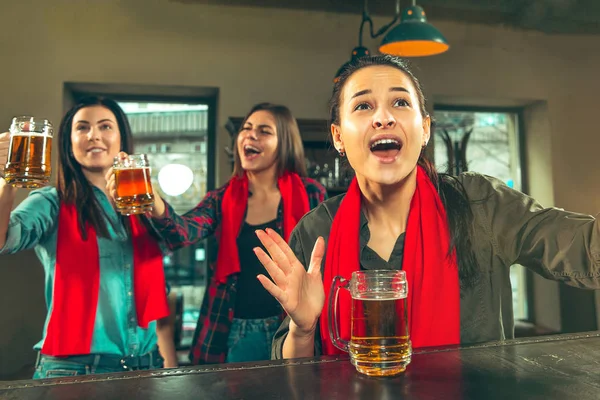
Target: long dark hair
[451,191]
[73,187]
[290,151]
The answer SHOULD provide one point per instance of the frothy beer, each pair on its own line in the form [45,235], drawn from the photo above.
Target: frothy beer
[29,160]
[134,190]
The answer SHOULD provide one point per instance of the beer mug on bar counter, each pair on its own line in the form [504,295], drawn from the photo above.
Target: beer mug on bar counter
[29,153]
[379,338]
[133,185]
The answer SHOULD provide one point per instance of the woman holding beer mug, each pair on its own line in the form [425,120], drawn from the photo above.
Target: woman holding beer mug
[268,189]
[105,284]
[454,237]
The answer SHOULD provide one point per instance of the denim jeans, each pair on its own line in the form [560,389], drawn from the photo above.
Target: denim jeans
[250,339]
[51,367]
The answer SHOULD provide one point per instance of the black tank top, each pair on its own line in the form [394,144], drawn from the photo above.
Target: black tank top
[252,300]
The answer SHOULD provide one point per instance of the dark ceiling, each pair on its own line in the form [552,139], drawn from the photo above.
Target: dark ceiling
[549,16]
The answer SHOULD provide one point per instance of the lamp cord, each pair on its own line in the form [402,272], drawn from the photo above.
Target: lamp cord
[367,18]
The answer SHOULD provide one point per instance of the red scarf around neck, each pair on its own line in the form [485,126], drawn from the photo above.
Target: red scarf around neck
[433,301]
[233,211]
[77,282]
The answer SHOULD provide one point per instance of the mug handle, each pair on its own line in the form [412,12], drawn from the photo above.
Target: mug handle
[334,329]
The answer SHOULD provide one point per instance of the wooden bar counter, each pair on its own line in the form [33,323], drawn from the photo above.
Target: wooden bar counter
[551,367]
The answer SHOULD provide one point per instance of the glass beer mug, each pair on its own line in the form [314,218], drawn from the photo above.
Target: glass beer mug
[29,161]
[379,338]
[133,185]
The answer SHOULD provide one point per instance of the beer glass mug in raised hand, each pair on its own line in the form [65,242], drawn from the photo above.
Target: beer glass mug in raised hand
[133,185]
[28,163]
[379,339]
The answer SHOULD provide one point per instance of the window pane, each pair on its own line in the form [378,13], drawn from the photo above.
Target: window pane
[490,143]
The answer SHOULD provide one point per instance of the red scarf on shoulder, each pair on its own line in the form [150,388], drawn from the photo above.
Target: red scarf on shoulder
[77,282]
[233,211]
[433,301]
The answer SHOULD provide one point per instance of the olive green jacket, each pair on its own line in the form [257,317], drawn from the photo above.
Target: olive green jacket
[509,228]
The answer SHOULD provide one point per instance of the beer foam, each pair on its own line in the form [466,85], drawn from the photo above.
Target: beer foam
[31,134]
[124,168]
[380,296]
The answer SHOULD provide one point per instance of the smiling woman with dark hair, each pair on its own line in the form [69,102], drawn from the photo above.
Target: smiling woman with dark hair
[101,313]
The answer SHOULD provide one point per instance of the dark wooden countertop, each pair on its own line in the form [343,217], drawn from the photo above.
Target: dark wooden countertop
[551,367]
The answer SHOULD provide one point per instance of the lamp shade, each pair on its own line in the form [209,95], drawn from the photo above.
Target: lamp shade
[413,36]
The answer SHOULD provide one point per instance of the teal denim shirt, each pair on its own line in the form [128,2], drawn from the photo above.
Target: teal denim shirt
[34,224]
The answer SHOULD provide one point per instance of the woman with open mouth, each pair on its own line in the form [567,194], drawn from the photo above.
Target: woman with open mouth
[454,237]
[268,190]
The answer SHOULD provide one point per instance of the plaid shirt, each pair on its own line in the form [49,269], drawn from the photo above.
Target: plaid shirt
[216,314]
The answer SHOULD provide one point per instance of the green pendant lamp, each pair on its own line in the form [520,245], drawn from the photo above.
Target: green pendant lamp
[414,36]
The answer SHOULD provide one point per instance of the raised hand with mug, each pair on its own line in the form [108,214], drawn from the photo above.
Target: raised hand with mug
[133,192]
[104,272]
[129,185]
[28,163]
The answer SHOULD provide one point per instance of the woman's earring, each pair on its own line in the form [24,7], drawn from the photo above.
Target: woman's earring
[342,153]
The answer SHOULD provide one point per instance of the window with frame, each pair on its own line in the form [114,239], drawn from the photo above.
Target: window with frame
[486,141]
